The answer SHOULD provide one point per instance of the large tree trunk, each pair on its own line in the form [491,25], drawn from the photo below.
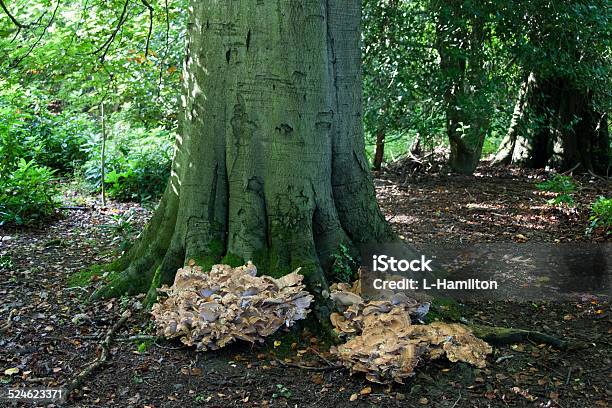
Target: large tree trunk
[270,163]
[517,128]
[554,124]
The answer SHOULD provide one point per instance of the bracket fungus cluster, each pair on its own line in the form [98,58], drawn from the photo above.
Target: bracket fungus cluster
[383,342]
[213,309]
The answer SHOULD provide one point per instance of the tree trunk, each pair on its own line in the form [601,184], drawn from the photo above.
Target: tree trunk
[555,124]
[518,126]
[270,162]
[379,153]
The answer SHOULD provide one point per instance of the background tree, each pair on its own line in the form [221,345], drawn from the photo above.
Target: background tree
[561,116]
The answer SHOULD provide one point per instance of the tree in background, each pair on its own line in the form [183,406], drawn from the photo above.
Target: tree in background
[397,66]
[560,118]
[470,57]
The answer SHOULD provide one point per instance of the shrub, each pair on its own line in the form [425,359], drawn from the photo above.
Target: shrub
[27,194]
[601,215]
[558,184]
[56,141]
[137,162]
[30,130]
[344,266]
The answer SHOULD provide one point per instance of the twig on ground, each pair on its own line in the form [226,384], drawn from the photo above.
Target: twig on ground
[105,344]
[322,357]
[569,376]
[303,367]
[39,379]
[140,337]
[456,402]
[9,322]
[571,170]
[502,358]
[598,176]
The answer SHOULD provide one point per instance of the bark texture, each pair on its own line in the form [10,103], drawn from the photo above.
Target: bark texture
[270,163]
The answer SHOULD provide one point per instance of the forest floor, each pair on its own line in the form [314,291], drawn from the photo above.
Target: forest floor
[54,332]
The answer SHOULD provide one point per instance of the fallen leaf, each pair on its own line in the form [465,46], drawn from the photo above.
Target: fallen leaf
[11,371]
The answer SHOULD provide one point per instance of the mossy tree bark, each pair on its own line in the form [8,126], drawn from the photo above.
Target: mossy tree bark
[556,125]
[270,163]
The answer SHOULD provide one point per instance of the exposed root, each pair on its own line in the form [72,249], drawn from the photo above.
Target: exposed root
[506,335]
[101,360]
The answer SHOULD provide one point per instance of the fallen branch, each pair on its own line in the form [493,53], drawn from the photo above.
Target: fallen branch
[9,322]
[304,367]
[78,380]
[506,335]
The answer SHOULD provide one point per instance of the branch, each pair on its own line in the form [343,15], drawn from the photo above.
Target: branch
[106,343]
[161,65]
[106,45]
[147,5]
[10,16]
[24,56]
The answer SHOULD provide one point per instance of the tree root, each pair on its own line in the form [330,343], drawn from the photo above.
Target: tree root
[505,335]
[80,378]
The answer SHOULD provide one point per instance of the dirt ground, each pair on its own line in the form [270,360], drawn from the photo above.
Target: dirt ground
[54,332]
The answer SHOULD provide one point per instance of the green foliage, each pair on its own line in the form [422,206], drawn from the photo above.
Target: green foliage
[144,346]
[601,215]
[282,391]
[444,309]
[564,186]
[6,262]
[56,72]
[34,127]
[562,199]
[558,184]
[27,194]
[137,162]
[344,266]
[122,228]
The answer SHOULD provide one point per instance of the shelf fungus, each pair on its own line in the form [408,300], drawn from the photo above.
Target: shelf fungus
[383,342]
[213,309]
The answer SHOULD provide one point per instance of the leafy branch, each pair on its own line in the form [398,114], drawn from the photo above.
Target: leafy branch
[11,17]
